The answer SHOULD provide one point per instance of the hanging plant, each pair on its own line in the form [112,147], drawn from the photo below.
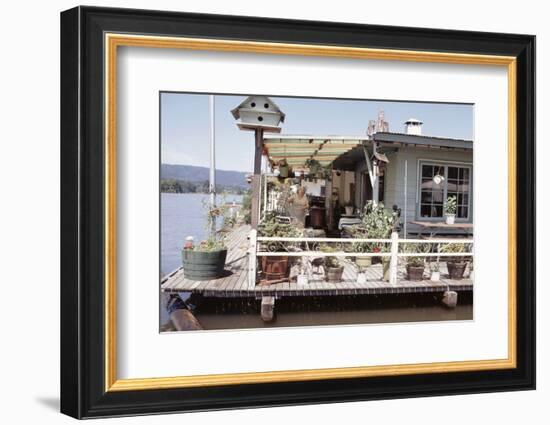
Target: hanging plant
[284,169]
[314,167]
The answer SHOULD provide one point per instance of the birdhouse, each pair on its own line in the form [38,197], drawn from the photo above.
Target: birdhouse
[258,112]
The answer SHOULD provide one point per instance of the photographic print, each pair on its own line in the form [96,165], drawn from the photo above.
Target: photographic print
[289,211]
[302,195]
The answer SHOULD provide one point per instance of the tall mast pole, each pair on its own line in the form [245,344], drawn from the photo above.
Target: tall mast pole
[212,180]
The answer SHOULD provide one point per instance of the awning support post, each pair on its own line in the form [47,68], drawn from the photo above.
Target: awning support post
[372,167]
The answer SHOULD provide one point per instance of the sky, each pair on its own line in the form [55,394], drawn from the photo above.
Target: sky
[185,124]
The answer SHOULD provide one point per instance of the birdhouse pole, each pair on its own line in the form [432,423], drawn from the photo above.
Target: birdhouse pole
[256,179]
[212,179]
[259,114]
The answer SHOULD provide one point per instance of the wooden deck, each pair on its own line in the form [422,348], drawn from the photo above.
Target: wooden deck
[235,283]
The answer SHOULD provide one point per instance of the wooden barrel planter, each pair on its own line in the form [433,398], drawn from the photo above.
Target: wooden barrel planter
[203,265]
[415,272]
[456,269]
[275,268]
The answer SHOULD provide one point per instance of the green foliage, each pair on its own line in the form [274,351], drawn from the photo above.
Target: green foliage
[415,248]
[213,215]
[185,186]
[247,206]
[210,245]
[330,261]
[449,206]
[378,222]
[455,248]
[271,227]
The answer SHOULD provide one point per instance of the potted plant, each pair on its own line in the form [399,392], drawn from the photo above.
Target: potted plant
[435,275]
[455,264]
[449,209]
[334,269]
[361,275]
[276,267]
[414,264]
[284,169]
[379,223]
[206,260]
[314,168]
[333,265]
[358,232]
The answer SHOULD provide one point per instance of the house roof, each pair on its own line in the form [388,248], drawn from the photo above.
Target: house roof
[298,148]
[391,142]
[425,141]
[345,151]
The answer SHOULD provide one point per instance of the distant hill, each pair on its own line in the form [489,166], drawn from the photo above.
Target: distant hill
[192,173]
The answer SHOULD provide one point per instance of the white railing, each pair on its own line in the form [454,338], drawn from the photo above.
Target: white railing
[312,246]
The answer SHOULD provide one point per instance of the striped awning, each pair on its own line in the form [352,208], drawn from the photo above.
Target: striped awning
[297,149]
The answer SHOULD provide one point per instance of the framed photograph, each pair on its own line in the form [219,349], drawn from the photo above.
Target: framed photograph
[261,212]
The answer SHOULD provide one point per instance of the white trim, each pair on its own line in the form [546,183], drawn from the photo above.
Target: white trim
[445,163]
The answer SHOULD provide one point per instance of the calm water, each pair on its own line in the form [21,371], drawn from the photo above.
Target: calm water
[182,216]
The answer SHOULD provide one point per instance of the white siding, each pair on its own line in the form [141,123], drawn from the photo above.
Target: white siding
[394,190]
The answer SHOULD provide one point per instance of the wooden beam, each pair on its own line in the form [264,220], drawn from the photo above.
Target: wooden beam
[268,309]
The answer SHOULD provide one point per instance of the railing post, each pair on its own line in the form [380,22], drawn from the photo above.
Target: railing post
[393,258]
[252,241]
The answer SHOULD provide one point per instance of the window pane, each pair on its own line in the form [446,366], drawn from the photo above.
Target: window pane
[425,210]
[427,171]
[453,173]
[426,197]
[455,185]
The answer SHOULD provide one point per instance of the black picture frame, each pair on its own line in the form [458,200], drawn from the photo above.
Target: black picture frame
[83,392]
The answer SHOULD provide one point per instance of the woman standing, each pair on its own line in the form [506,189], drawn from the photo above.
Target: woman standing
[299,206]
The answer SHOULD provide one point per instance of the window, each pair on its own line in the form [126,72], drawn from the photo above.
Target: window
[437,183]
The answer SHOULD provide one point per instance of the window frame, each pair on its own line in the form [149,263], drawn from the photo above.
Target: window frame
[446,164]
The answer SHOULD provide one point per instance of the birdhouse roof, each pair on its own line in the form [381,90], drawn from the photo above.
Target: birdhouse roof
[243,105]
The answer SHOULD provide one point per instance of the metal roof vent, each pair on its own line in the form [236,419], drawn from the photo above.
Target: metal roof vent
[413,126]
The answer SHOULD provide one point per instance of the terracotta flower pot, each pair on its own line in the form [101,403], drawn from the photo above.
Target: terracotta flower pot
[456,269]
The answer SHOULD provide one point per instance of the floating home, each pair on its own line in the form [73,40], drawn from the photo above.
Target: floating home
[407,171]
